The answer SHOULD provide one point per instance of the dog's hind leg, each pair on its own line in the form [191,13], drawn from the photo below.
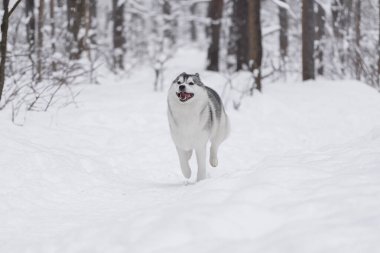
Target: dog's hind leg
[214,154]
[220,135]
[201,161]
[184,157]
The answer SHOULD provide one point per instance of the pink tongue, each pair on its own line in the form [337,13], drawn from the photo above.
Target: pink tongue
[183,95]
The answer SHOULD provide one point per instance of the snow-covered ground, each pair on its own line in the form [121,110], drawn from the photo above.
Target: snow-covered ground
[299,173]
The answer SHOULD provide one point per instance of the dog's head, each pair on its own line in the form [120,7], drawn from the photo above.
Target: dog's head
[186,86]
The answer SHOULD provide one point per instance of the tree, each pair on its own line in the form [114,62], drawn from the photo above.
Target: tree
[118,34]
[255,41]
[378,52]
[308,33]
[341,17]
[169,23]
[92,21]
[358,61]
[75,22]
[52,32]
[240,20]
[215,12]
[30,24]
[237,48]
[320,25]
[4,39]
[193,28]
[283,17]
[40,38]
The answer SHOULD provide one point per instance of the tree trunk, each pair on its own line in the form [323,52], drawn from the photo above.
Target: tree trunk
[3,44]
[193,28]
[255,41]
[4,38]
[321,21]
[52,33]
[232,39]
[118,34]
[358,61]
[240,21]
[308,33]
[76,21]
[283,16]
[93,22]
[336,11]
[40,38]
[378,52]
[30,25]
[60,3]
[168,22]
[215,12]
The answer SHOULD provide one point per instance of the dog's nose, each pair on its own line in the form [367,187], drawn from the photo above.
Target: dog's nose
[182,87]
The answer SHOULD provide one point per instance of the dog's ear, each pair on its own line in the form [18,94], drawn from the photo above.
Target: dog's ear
[196,74]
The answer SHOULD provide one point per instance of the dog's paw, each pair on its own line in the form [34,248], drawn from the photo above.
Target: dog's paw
[213,161]
[186,172]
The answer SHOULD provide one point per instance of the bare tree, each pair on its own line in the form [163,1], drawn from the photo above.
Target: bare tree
[30,24]
[40,39]
[284,41]
[319,37]
[215,12]
[118,34]
[92,21]
[193,28]
[4,39]
[358,60]
[52,32]
[240,20]
[169,23]
[255,41]
[75,22]
[308,33]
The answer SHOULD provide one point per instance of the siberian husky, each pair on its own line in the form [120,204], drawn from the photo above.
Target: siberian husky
[196,115]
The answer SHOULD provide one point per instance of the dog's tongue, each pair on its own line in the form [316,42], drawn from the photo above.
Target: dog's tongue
[183,95]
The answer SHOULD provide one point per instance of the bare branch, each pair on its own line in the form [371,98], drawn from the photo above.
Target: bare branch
[13,8]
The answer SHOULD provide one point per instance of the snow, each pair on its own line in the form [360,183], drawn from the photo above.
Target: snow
[299,173]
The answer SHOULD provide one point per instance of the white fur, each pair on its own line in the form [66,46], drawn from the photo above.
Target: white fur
[188,130]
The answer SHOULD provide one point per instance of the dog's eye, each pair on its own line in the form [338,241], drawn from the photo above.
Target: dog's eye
[191,83]
[178,82]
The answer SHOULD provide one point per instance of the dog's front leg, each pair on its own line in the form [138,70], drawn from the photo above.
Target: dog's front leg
[184,157]
[201,161]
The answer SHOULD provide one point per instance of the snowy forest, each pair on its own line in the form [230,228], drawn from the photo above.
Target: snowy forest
[88,164]
[47,47]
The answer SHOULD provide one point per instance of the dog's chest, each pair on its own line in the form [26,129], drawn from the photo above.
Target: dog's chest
[189,126]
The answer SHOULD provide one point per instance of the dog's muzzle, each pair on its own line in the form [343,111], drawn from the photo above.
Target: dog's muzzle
[184,96]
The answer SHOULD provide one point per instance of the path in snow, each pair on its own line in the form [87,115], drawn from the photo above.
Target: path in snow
[299,173]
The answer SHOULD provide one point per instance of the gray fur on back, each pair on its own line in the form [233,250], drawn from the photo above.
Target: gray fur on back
[216,102]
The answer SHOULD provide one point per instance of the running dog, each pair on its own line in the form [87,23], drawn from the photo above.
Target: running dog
[196,115]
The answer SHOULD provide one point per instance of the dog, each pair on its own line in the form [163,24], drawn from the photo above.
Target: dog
[196,115]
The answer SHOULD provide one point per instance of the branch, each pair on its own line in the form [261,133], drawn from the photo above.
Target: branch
[13,8]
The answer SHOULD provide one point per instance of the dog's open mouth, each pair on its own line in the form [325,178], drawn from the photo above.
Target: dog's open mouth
[184,96]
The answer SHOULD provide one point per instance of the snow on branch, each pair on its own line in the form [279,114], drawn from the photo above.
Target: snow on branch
[286,6]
